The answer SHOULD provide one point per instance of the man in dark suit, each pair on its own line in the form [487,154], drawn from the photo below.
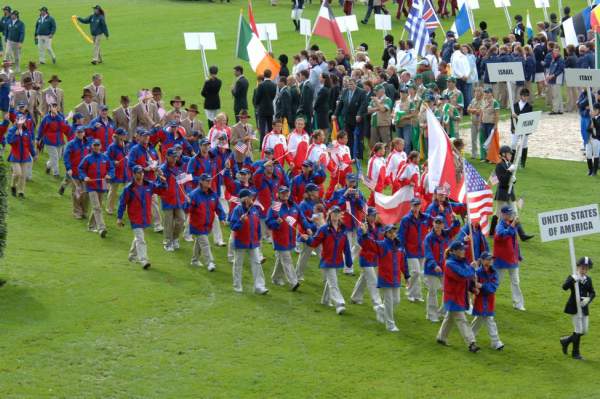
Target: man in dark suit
[283,103]
[210,92]
[239,92]
[307,97]
[389,43]
[352,108]
[264,96]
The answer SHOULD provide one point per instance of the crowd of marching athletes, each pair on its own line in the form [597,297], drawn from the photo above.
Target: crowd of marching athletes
[161,169]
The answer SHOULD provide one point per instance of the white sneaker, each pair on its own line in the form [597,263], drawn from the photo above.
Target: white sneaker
[313,253]
[211,267]
[280,283]
[230,260]
[519,307]
[175,244]
[379,314]
[349,271]
[420,299]
[196,262]
[188,238]
[221,244]
[340,309]
[499,346]
[392,328]
[168,247]
[411,299]
[158,229]
[297,250]
[238,289]
[132,258]
[261,291]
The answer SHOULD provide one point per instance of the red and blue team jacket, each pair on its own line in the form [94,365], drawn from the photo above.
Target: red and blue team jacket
[412,232]
[277,170]
[104,132]
[284,234]
[75,151]
[221,159]
[72,129]
[237,166]
[137,198]
[367,257]
[506,247]
[204,205]
[306,209]
[435,246]
[232,189]
[266,187]
[143,156]
[458,275]
[336,248]
[118,155]
[479,241]
[299,183]
[22,149]
[3,129]
[201,164]
[450,207]
[246,233]
[350,204]
[391,260]
[173,195]
[167,139]
[52,129]
[96,167]
[484,303]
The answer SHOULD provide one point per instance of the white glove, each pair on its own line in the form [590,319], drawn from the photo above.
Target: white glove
[514,179]
[584,301]
[575,277]
[512,168]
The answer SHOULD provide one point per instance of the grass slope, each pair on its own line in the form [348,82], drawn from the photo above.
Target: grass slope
[77,320]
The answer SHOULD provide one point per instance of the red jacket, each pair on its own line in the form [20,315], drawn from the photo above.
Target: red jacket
[203,208]
[458,275]
[138,201]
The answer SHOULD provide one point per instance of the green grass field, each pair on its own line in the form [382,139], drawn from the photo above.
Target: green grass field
[79,321]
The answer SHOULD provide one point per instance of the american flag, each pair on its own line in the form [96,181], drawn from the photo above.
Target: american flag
[416,26]
[290,220]
[276,205]
[477,194]
[241,147]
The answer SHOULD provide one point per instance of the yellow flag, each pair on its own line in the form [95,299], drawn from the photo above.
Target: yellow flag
[334,130]
[85,35]
[286,128]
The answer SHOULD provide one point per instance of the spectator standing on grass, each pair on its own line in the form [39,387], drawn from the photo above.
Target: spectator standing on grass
[15,36]
[263,103]
[239,91]
[210,92]
[555,80]
[45,28]
[98,29]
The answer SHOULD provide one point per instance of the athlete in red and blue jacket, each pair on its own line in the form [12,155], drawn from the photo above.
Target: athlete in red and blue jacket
[507,254]
[173,200]
[441,206]
[478,240]
[266,183]
[308,208]
[137,199]
[102,127]
[202,163]
[203,206]
[95,169]
[282,220]
[143,154]
[458,280]
[22,152]
[75,151]
[117,153]
[308,175]
[50,134]
[484,301]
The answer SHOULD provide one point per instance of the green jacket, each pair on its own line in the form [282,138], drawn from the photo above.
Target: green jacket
[97,24]
[16,32]
[46,27]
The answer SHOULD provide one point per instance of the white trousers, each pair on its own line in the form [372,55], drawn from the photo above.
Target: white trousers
[230,254]
[580,324]
[138,250]
[367,278]
[96,220]
[592,148]
[557,101]
[391,297]
[217,233]
[45,44]
[54,154]
[515,288]
[283,267]
[354,247]
[266,232]
[305,251]
[331,289]
[97,52]
[492,329]
[433,284]
[202,249]
[13,53]
[415,267]
[156,219]
[255,266]
[461,322]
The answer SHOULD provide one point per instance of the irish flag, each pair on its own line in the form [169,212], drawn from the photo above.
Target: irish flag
[392,208]
[440,161]
[250,48]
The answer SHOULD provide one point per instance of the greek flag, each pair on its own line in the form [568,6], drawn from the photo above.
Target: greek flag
[417,28]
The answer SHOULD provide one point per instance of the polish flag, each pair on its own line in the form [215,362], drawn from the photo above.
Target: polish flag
[392,208]
[442,171]
[327,27]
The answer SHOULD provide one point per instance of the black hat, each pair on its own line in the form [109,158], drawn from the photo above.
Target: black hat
[585,261]
[15,13]
[519,18]
[505,149]
[6,8]
[45,9]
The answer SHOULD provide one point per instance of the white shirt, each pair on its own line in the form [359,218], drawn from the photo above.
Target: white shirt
[460,65]
[433,62]
[272,140]
[317,153]
[295,139]
[394,161]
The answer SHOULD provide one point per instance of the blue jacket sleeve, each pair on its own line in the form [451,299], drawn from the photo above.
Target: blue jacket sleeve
[402,232]
[235,222]
[490,287]
[83,168]
[505,230]
[463,271]
[430,262]
[123,199]
[67,157]
[347,252]
[317,239]
[271,221]
[111,168]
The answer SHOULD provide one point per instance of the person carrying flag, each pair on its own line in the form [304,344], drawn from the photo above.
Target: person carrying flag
[137,200]
[22,152]
[309,174]
[75,151]
[51,131]
[173,200]
[311,209]
[117,152]
[282,219]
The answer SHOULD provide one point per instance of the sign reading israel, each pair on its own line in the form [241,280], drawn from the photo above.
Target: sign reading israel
[506,72]
[572,222]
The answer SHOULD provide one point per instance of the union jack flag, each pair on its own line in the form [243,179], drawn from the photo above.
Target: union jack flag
[432,22]
[477,194]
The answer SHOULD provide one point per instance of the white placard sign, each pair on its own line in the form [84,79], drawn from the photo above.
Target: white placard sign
[501,3]
[506,72]
[267,31]
[305,28]
[580,77]
[347,23]
[473,4]
[200,40]
[541,3]
[527,123]
[383,22]
[569,223]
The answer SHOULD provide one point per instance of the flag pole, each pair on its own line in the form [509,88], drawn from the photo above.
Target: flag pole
[469,216]
[507,15]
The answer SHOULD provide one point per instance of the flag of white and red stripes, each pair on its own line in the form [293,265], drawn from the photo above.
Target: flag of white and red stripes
[241,147]
[276,205]
[290,220]
[478,196]
[392,208]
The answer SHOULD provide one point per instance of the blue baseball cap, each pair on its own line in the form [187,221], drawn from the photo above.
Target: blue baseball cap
[507,209]
[244,171]
[284,189]
[415,201]
[137,169]
[142,132]
[80,129]
[486,255]
[103,108]
[308,163]
[171,152]
[439,219]
[351,178]
[21,104]
[335,209]
[311,187]
[389,227]
[77,116]
[245,193]
[204,141]
[456,245]
[121,132]
[96,142]
[204,177]
[371,211]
